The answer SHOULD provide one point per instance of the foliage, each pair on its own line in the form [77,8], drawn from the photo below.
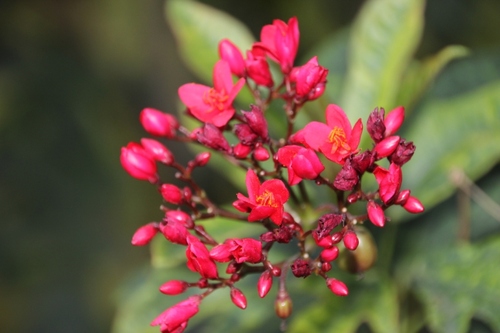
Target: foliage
[424,278]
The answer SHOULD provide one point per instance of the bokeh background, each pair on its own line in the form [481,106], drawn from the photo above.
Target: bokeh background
[74,76]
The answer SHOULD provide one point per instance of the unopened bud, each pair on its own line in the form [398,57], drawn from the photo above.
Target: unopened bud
[174,287]
[337,287]
[265,283]
[171,193]
[261,154]
[337,237]
[375,214]
[158,151]
[241,151]
[232,55]
[180,216]
[238,298]
[386,147]
[158,123]
[144,234]
[393,120]
[413,205]
[329,254]
[326,267]
[202,159]
[351,240]
[138,162]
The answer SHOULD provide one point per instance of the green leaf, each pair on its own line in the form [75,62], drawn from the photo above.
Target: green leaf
[456,133]
[384,37]
[420,74]
[198,30]
[373,302]
[459,283]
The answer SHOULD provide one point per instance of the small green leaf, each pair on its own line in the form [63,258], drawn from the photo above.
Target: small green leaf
[459,283]
[421,73]
[198,29]
[384,37]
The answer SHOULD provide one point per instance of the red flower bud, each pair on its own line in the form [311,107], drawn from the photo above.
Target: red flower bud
[351,241]
[230,53]
[144,234]
[393,120]
[403,197]
[174,287]
[389,182]
[174,231]
[261,154]
[256,120]
[138,163]
[245,134]
[413,205]
[329,254]
[326,267]
[375,124]
[337,287]
[171,193]
[211,137]
[375,214]
[175,318]
[158,123]
[241,151]
[265,283]
[181,217]
[309,79]
[403,152]
[238,298]
[386,147]
[337,237]
[258,70]
[202,159]
[158,151]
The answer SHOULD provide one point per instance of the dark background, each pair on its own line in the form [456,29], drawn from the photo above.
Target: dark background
[74,76]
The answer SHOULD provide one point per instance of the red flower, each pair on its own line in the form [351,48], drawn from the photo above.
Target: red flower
[280,41]
[212,105]
[335,139]
[264,200]
[241,250]
[199,258]
[389,182]
[310,79]
[302,163]
[232,54]
[175,318]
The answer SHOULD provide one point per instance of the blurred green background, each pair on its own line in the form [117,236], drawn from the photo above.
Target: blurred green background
[74,76]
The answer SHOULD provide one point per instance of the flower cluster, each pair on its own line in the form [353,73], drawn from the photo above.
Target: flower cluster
[274,198]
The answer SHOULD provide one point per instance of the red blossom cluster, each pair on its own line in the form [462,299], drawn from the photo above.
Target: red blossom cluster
[272,200]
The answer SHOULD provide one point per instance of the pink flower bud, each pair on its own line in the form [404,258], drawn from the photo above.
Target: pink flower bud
[138,163]
[337,287]
[261,154]
[375,214]
[256,120]
[175,318]
[212,137]
[181,217]
[158,151]
[245,134]
[265,283]
[144,234]
[238,298]
[309,79]
[337,237]
[403,197]
[174,287]
[258,70]
[351,241]
[202,158]
[326,267]
[174,231]
[413,205]
[329,254]
[171,193]
[393,120]
[241,151]
[324,242]
[386,147]
[230,53]
[187,194]
[158,123]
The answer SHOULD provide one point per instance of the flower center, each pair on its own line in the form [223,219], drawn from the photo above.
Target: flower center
[217,100]
[338,140]
[266,199]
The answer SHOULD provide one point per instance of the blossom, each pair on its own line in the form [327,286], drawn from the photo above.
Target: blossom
[280,41]
[258,69]
[309,79]
[302,163]
[389,181]
[239,250]
[177,316]
[336,139]
[199,258]
[264,200]
[212,105]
